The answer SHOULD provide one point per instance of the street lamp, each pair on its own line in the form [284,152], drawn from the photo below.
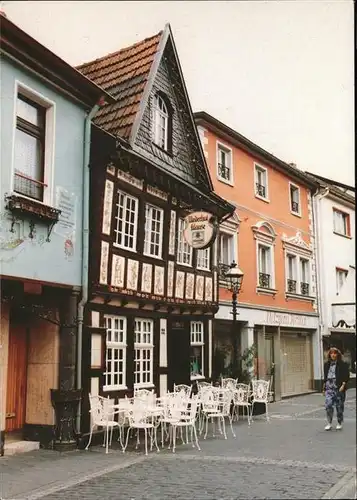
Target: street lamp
[234,276]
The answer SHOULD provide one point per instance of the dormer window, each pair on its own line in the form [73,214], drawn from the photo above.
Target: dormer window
[160,123]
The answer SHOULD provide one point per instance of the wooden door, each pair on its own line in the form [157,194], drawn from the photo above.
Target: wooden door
[179,354]
[16,378]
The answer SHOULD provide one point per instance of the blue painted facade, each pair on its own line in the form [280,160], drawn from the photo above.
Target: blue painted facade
[57,261]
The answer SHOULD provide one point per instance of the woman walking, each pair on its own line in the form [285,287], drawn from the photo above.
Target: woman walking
[336,376]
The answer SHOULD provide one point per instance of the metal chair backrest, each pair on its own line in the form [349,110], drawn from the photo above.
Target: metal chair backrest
[229,383]
[260,390]
[183,388]
[241,394]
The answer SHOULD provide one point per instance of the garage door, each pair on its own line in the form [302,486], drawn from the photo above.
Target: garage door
[295,364]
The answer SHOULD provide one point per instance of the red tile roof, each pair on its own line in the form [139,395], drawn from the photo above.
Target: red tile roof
[124,74]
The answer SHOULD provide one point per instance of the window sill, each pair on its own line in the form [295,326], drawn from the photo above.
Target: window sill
[221,179]
[197,377]
[182,264]
[144,386]
[156,257]
[262,198]
[266,291]
[116,245]
[298,296]
[343,235]
[203,269]
[112,388]
[163,150]
[297,214]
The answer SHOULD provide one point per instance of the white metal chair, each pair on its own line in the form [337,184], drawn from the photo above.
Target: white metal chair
[102,414]
[183,388]
[216,405]
[203,387]
[140,418]
[174,407]
[260,394]
[203,384]
[186,420]
[145,395]
[271,392]
[229,383]
[241,397]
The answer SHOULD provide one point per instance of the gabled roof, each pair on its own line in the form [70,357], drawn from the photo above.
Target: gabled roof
[17,45]
[129,75]
[124,74]
[237,139]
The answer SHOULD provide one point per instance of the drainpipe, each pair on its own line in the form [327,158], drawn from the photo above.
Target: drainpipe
[318,196]
[85,245]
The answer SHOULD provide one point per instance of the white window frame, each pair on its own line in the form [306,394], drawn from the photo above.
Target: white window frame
[111,345]
[226,149]
[197,339]
[159,114]
[295,271]
[264,170]
[232,247]
[298,273]
[183,248]
[116,228]
[339,273]
[144,347]
[149,233]
[203,259]
[265,236]
[229,227]
[345,220]
[294,258]
[308,271]
[271,267]
[295,186]
[49,148]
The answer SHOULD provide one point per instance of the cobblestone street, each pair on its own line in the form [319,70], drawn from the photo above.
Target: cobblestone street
[289,457]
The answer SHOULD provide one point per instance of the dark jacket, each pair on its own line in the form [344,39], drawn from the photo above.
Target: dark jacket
[342,372]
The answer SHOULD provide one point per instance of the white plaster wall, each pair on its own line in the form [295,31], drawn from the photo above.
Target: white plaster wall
[334,251]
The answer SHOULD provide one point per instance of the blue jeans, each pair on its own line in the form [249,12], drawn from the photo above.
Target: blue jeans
[334,398]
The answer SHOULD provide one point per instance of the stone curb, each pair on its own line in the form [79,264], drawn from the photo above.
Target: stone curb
[345,488]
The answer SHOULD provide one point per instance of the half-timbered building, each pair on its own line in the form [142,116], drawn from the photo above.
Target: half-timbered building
[151,296]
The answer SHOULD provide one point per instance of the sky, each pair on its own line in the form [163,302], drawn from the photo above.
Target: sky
[279,72]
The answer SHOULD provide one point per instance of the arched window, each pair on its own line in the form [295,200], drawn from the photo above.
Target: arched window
[161,123]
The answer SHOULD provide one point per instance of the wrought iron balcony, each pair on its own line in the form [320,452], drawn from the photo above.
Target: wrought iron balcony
[291,286]
[224,172]
[304,288]
[264,280]
[295,207]
[260,190]
[33,188]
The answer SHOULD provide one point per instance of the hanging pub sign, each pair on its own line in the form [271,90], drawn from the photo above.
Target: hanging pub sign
[200,229]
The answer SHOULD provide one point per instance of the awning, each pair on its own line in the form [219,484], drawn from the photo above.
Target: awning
[344,315]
